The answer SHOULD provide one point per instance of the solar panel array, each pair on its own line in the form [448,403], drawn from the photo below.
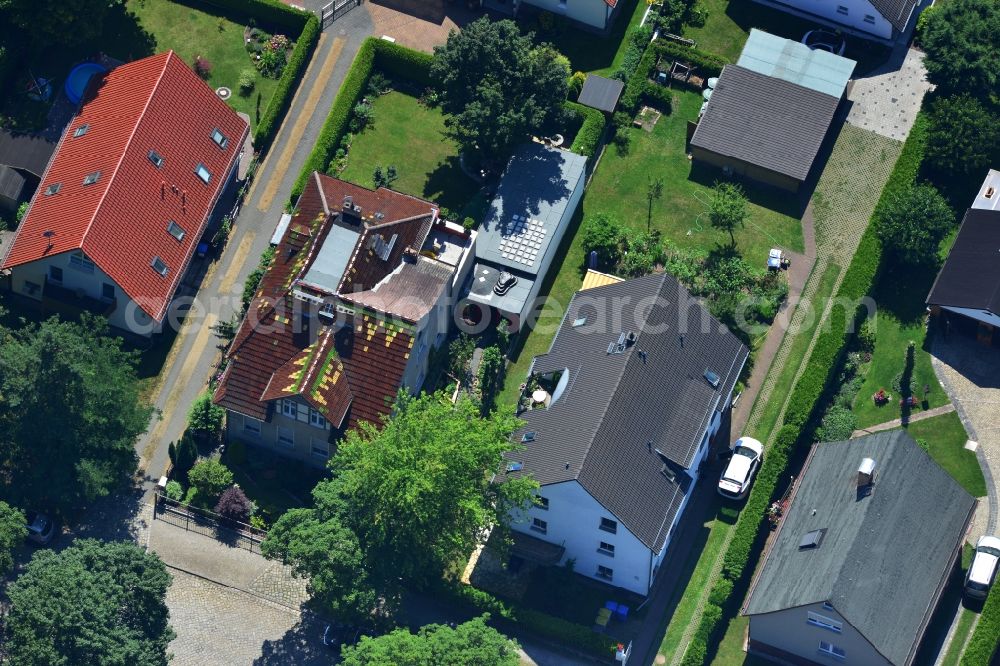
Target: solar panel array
[521,239]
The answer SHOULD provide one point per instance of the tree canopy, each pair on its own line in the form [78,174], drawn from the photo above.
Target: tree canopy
[12,532]
[69,413]
[964,138]
[728,209]
[962,42]
[406,500]
[913,223]
[473,642]
[497,86]
[52,23]
[603,234]
[93,603]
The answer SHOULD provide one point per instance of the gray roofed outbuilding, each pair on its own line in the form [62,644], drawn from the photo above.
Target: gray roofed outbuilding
[11,184]
[884,556]
[26,152]
[970,277]
[623,416]
[601,93]
[765,121]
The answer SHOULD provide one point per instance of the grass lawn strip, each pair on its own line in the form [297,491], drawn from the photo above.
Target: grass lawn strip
[209,33]
[963,629]
[410,136]
[946,437]
[588,52]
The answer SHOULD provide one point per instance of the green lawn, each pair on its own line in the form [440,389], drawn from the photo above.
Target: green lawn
[946,438]
[619,187]
[592,53]
[410,136]
[959,638]
[899,298]
[206,31]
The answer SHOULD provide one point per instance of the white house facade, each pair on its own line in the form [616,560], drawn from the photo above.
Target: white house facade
[879,20]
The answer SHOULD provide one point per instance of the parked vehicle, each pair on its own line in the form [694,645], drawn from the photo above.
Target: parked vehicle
[983,569]
[825,40]
[41,528]
[739,474]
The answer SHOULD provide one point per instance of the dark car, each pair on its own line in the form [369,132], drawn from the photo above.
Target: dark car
[41,528]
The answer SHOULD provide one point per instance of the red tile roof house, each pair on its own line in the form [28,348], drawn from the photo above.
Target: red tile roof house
[124,202]
[359,291]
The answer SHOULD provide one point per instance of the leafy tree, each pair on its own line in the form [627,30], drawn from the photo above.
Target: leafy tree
[205,416]
[726,272]
[654,192]
[321,548]
[253,280]
[643,251]
[459,354]
[603,234]
[384,177]
[497,86]
[962,42]
[490,373]
[13,531]
[964,138]
[415,494]
[234,505]
[210,477]
[912,224]
[59,23]
[473,642]
[93,603]
[69,413]
[183,454]
[728,209]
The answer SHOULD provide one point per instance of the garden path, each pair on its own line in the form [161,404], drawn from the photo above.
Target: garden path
[896,423]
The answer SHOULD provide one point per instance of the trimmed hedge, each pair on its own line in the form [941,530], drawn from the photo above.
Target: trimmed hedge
[337,121]
[708,64]
[548,626]
[806,396]
[636,85]
[588,137]
[983,643]
[278,105]
[402,62]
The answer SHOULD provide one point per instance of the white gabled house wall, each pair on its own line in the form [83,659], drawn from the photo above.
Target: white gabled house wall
[856,15]
[595,13]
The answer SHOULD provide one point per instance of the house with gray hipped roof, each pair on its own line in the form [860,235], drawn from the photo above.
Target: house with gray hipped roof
[623,408]
[769,113]
[860,560]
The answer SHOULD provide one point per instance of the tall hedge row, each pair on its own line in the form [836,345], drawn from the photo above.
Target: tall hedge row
[402,62]
[271,12]
[983,643]
[277,107]
[707,64]
[806,396]
[588,137]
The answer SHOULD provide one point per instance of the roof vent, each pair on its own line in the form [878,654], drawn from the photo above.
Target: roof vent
[990,191]
[528,437]
[866,473]
[712,378]
[504,283]
[624,340]
[668,473]
[812,540]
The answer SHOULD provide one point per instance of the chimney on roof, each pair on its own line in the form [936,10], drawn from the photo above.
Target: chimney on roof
[350,211]
[866,473]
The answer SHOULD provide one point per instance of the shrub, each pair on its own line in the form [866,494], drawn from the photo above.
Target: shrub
[866,335]
[174,490]
[248,79]
[576,82]
[183,454]
[657,96]
[202,67]
[378,85]
[234,505]
[209,478]
[983,643]
[635,86]
[707,64]
[963,138]
[265,12]
[468,224]
[205,416]
[253,280]
[838,424]
[270,119]
[588,137]
[603,234]
[401,62]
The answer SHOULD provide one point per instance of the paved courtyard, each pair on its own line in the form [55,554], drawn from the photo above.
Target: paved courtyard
[887,101]
[970,374]
[418,24]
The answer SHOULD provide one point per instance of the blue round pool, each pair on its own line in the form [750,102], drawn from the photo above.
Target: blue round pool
[79,77]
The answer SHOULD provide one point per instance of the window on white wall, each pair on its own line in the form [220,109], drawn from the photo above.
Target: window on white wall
[81,262]
[832,650]
[316,419]
[842,10]
[285,437]
[824,622]
[607,573]
[609,525]
[539,525]
[606,549]
[55,274]
[251,426]
[320,448]
[288,408]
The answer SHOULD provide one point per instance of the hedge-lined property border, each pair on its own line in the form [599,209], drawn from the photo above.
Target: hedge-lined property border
[306,24]
[804,400]
[588,137]
[983,643]
[506,614]
[638,84]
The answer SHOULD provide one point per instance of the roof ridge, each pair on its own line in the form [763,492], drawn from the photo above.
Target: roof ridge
[125,150]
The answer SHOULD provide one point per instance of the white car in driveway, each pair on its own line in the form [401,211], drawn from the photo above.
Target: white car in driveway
[738,476]
[983,569]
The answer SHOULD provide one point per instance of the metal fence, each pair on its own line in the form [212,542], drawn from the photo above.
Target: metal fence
[335,10]
[207,523]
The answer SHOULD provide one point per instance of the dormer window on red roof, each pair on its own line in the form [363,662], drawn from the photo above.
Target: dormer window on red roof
[81,130]
[91,178]
[219,138]
[160,266]
[156,159]
[52,189]
[202,171]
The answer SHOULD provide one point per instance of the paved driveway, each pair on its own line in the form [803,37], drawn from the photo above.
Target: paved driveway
[970,374]
[886,101]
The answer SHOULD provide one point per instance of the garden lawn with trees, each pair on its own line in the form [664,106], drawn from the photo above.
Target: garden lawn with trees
[409,135]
